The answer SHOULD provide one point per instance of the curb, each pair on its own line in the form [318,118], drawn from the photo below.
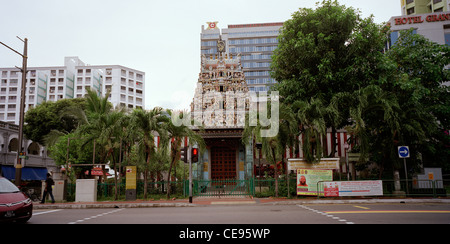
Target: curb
[355,201]
[203,202]
[110,205]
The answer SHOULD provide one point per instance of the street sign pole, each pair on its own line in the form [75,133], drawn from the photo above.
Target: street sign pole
[406,176]
[403,152]
[190,175]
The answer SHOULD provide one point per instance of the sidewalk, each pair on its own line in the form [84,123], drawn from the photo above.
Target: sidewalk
[231,201]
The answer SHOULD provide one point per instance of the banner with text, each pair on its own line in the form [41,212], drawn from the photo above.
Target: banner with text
[307,180]
[353,188]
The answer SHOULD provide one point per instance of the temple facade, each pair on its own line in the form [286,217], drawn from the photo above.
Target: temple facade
[219,106]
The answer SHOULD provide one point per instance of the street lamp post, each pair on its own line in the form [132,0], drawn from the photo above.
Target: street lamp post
[19,165]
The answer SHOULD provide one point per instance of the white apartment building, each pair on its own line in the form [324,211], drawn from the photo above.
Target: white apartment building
[53,83]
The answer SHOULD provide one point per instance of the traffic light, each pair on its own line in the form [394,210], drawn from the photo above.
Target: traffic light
[194,155]
[183,153]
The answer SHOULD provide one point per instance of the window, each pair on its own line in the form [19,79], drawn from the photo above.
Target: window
[409,1]
[13,82]
[393,38]
[447,38]
[410,11]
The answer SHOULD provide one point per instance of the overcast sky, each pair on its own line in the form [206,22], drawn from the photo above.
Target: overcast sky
[161,38]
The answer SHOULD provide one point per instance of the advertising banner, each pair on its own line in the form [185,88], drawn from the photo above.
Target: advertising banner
[307,180]
[130,177]
[353,188]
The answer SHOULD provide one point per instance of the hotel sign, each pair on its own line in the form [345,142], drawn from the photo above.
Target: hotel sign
[420,19]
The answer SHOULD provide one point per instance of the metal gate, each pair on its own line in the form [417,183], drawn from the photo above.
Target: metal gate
[222,188]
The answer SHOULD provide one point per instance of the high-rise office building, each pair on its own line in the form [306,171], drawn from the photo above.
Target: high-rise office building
[53,83]
[254,42]
[415,7]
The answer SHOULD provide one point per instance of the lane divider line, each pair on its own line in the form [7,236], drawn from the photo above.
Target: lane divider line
[46,212]
[327,214]
[95,216]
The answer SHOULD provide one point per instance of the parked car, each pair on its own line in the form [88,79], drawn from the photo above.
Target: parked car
[14,205]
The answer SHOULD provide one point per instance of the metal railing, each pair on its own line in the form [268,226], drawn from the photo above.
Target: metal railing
[221,188]
[262,188]
[106,191]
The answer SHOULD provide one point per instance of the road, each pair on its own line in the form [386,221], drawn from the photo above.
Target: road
[253,214]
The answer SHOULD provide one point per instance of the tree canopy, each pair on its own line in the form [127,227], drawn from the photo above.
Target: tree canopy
[333,69]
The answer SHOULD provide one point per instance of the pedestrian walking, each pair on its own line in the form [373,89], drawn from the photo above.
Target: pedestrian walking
[48,188]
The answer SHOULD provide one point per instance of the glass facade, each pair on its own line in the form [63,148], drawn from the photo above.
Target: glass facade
[254,42]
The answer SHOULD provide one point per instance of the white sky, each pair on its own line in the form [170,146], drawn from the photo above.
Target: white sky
[161,38]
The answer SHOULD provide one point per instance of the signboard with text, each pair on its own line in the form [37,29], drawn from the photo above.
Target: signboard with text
[130,177]
[408,20]
[307,180]
[353,188]
[325,163]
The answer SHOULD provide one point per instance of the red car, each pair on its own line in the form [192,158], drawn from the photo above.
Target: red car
[14,205]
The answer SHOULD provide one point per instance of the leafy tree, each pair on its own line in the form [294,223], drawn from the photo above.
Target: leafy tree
[73,155]
[325,52]
[48,116]
[417,75]
[334,72]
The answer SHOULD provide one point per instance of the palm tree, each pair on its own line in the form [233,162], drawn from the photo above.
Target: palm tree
[311,119]
[374,112]
[274,147]
[288,132]
[147,125]
[178,135]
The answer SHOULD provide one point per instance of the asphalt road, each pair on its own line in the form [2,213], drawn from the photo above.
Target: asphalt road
[253,214]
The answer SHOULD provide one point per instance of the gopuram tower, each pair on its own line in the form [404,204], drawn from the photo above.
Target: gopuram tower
[220,104]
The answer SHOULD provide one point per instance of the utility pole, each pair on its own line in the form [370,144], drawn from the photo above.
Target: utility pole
[190,175]
[19,165]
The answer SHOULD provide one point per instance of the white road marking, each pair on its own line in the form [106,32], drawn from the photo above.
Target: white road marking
[95,216]
[326,214]
[46,212]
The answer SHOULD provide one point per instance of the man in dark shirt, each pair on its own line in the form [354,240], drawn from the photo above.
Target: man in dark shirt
[48,188]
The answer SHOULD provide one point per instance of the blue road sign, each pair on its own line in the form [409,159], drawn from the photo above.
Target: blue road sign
[403,152]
